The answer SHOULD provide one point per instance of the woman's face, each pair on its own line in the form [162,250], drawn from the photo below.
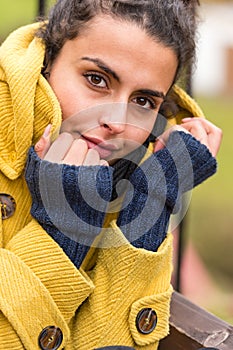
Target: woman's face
[110,82]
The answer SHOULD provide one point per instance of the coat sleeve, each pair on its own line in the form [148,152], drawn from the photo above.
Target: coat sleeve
[127,281]
[67,197]
[39,287]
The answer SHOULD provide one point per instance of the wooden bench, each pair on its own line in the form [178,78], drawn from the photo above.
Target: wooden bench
[192,328]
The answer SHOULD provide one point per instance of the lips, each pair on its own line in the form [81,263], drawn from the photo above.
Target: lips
[104,148]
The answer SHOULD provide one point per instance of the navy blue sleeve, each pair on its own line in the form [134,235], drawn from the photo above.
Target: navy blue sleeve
[157,188]
[69,202]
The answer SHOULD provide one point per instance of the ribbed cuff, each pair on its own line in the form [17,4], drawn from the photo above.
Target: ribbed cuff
[157,186]
[69,202]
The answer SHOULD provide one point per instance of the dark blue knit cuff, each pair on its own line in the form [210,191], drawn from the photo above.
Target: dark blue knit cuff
[203,163]
[157,187]
[145,212]
[69,202]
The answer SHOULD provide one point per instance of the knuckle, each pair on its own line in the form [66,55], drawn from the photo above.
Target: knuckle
[199,122]
[65,136]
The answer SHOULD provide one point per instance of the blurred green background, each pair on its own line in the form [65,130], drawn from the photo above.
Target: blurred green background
[209,223]
[15,13]
[210,217]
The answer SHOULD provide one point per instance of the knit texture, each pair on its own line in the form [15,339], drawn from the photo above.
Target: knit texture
[69,202]
[157,188]
[27,102]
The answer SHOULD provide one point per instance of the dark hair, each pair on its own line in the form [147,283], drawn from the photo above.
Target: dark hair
[171,22]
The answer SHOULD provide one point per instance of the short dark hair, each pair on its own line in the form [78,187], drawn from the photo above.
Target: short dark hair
[171,22]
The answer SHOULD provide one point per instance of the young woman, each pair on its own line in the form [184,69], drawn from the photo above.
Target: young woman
[90,176]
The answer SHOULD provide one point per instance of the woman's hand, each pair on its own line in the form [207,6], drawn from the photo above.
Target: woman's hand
[79,194]
[67,150]
[202,129]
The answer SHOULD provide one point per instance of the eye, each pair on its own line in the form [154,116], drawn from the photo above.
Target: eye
[145,102]
[96,80]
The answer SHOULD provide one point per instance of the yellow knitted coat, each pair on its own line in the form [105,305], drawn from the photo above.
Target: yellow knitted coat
[39,285]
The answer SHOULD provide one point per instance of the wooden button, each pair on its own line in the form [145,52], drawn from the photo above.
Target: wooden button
[50,338]
[146,320]
[7,205]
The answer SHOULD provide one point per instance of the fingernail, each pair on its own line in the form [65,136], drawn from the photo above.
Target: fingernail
[47,130]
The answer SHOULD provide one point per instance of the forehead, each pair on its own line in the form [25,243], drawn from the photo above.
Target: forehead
[124,46]
[119,33]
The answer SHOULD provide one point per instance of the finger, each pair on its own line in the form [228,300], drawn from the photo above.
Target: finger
[104,162]
[159,145]
[196,126]
[163,138]
[92,158]
[206,132]
[215,139]
[76,153]
[204,122]
[198,131]
[59,148]
[214,134]
[188,119]
[42,146]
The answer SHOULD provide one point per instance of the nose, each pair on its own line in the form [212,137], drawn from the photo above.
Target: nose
[114,118]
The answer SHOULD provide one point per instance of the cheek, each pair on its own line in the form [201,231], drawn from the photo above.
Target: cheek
[70,100]
[143,135]
[66,92]
[136,135]
[140,132]
[61,93]
[143,127]
[141,119]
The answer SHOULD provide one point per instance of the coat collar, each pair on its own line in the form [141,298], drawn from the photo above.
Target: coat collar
[27,103]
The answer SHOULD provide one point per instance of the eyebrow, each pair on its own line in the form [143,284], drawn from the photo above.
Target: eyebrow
[155,93]
[108,70]
[102,66]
